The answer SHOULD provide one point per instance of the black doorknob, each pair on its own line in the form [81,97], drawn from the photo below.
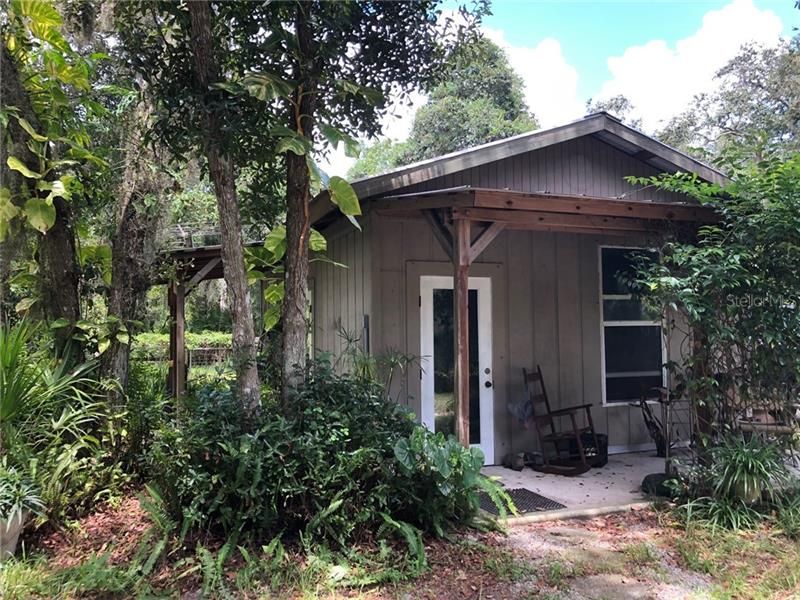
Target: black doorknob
[488,384]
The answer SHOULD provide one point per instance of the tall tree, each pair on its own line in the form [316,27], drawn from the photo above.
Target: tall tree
[135,251]
[46,102]
[757,103]
[345,59]
[479,99]
[278,78]
[619,106]
[192,56]
[223,175]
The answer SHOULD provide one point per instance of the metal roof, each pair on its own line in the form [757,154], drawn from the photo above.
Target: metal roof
[600,125]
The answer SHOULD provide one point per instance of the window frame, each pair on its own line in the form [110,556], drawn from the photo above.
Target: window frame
[627,323]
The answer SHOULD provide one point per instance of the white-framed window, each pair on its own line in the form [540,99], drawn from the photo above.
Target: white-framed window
[632,341]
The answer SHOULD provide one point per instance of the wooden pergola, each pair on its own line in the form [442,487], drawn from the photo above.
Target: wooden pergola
[466,220]
[191,267]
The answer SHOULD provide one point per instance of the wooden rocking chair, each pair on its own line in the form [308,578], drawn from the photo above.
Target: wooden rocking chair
[545,419]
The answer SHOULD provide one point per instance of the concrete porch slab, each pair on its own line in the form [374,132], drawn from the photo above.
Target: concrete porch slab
[617,483]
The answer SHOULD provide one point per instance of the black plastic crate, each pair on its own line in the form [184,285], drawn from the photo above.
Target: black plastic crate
[595,456]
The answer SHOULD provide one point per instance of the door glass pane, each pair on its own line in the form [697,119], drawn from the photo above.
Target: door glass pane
[444,361]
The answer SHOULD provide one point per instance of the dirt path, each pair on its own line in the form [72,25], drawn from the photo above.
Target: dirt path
[619,557]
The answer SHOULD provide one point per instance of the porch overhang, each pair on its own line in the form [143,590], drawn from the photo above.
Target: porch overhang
[466,220]
[547,212]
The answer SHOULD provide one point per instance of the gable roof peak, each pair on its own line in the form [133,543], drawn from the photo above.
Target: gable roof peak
[600,125]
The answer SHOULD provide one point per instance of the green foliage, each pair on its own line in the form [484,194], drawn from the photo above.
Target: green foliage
[57,80]
[747,469]
[342,463]
[480,99]
[721,513]
[740,486]
[147,406]
[787,516]
[380,157]
[443,478]
[266,263]
[366,55]
[754,105]
[54,424]
[619,106]
[148,344]
[452,123]
[737,286]
[18,494]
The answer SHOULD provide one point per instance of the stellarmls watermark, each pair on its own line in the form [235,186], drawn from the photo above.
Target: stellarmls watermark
[761,301]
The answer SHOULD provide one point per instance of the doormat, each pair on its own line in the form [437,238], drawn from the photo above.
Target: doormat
[526,501]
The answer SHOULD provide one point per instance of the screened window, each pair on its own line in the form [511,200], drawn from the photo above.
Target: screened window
[633,351]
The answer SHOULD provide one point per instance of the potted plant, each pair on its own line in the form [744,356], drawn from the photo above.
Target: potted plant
[19,498]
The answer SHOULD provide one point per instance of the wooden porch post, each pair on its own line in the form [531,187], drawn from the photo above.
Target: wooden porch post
[461,262]
[177,339]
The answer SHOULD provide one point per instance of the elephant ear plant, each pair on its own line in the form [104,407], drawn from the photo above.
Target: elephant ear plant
[18,499]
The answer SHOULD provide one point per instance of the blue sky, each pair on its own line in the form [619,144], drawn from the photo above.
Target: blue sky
[657,53]
[590,32]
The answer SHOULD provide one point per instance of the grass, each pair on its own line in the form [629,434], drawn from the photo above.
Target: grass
[745,564]
[555,573]
[506,566]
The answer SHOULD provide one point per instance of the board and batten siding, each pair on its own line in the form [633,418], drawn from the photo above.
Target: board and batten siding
[342,295]
[584,166]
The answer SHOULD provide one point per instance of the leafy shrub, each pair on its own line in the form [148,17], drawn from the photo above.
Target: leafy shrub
[18,494]
[747,469]
[440,480]
[721,513]
[149,344]
[788,514]
[55,423]
[340,464]
[737,489]
[147,405]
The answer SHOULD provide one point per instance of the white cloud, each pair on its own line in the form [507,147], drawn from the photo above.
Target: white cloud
[660,80]
[551,83]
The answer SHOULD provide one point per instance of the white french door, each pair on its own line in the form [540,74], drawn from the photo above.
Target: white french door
[436,349]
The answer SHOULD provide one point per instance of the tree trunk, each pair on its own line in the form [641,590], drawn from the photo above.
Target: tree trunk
[56,250]
[60,276]
[134,245]
[298,222]
[221,171]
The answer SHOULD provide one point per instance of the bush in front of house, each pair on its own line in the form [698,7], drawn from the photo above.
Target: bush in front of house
[340,464]
[745,483]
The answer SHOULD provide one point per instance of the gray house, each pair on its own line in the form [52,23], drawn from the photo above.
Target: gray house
[502,257]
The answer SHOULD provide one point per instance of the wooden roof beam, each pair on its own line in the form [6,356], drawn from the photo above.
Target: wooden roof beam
[525,219]
[593,206]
